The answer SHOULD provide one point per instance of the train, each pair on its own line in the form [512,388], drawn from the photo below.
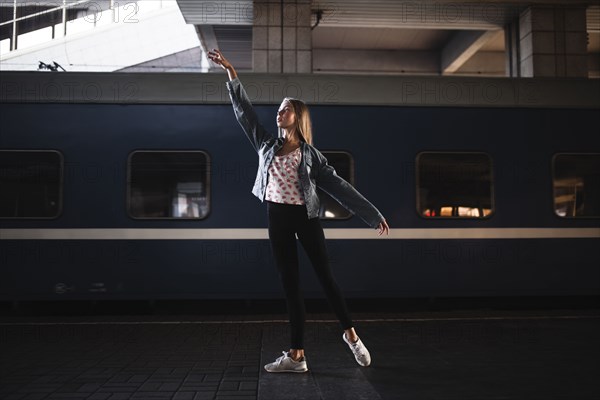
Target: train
[137,186]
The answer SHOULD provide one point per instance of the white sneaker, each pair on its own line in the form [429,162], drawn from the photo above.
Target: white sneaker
[286,363]
[363,358]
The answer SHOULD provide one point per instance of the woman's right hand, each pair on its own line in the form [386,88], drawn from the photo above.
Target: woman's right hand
[215,56]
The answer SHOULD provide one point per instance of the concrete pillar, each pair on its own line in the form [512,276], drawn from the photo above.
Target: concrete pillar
[553,42]
[281,36]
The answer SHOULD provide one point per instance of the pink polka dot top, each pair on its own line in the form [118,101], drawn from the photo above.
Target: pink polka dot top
[284,185]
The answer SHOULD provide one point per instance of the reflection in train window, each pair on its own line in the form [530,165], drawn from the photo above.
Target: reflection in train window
[30,183]
[168,184]
[576,180]
[343,164]
[454,185]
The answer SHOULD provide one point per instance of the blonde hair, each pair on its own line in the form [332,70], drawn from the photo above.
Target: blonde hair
[303,125]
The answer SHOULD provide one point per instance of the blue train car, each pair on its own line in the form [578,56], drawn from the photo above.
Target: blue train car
[137,186]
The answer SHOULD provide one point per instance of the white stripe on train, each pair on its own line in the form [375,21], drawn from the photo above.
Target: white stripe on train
[261,233]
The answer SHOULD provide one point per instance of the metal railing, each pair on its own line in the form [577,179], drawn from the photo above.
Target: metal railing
[13,44]
[113,5]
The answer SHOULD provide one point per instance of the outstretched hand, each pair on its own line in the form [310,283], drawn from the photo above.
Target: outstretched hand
[215,56]
[383,227]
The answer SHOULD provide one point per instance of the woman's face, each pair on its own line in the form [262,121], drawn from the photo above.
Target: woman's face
[285,115]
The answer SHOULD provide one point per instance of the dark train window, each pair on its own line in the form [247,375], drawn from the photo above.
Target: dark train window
[576,181]
[344,166]
[30,183]
[454,185]
[168,184]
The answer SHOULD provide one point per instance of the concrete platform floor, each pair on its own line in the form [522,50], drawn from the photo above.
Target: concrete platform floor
[528,355]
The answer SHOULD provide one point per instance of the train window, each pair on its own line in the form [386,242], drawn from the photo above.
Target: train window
[576,181]
[168,184]
[454,185]
[344,166]
[30,183]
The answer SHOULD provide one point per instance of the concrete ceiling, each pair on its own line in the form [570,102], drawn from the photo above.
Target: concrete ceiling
[427,37]
[328,37]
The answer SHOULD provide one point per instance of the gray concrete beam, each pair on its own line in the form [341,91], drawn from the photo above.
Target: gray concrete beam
[208,41]
[396,61]
[484,63]
[325,89]
[222,12]
[417,14]
[461,47]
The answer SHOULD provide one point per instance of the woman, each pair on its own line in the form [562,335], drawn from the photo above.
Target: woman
[290,169]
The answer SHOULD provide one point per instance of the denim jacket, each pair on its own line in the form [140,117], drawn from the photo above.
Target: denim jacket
[313,172]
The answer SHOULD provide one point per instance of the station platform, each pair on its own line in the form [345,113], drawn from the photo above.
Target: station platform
[441,355]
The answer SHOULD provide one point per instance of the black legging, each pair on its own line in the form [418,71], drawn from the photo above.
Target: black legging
[285,220]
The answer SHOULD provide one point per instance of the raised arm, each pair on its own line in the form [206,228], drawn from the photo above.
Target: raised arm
[242,106]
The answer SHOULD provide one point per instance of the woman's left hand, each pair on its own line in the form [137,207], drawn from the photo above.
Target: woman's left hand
[383,227]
